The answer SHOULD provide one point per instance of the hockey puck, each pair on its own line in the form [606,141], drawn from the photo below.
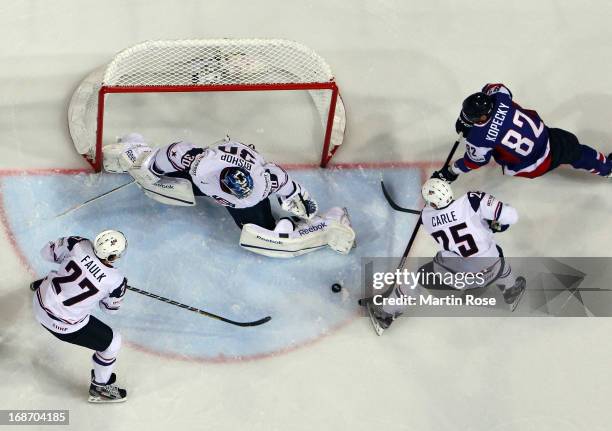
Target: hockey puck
[336,287]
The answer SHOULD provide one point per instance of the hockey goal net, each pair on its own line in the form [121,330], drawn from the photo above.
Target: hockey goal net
[200,67]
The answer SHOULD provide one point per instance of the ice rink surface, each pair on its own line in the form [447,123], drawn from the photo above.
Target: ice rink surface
[403,68]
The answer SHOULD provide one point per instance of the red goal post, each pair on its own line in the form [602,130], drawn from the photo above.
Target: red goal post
[206,66]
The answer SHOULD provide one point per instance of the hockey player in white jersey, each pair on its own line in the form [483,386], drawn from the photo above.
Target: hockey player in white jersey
[237,177]
[464,229]
[64,299]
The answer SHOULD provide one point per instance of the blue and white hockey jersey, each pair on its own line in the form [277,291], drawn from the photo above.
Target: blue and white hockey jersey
[515,137]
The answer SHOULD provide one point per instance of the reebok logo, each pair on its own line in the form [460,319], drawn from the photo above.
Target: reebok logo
[313,228]
[269,240]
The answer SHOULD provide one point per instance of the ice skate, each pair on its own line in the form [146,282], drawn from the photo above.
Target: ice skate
[513,295]
[381,320]
[106,393]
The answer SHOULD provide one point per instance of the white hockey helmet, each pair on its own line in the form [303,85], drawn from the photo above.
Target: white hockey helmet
[437,193]
[110,245]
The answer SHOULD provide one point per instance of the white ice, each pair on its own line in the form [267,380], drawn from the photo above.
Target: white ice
[403,69]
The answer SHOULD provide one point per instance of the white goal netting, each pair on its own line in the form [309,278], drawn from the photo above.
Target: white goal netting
[196,67]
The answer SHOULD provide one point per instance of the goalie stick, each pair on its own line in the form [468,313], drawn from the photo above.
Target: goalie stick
[88,201]
[364,301]
[197,310]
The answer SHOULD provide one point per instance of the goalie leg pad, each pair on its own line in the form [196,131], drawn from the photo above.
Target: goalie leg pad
[275,244]
[171,191]
[332,229]
[340,236]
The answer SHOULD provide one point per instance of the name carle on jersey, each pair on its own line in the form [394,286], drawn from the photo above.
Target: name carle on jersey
[462,226]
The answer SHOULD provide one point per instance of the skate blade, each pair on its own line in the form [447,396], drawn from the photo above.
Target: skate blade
[516,301]
[375,325]
[101,400]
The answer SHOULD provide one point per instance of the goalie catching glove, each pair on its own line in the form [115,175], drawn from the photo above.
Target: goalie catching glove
[299,203]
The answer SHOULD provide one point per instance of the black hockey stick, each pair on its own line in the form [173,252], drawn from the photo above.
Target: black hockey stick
[391,202]
[197,310]
[364,301]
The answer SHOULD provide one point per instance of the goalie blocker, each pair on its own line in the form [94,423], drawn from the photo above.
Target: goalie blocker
[135,161]
[288,240]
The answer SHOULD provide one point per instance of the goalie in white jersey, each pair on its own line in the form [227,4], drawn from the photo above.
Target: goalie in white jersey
[464,230]
[64,299]
[237,177]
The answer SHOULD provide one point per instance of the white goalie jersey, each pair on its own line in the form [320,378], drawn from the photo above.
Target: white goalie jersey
[66,297]
[205,167]
[462,228]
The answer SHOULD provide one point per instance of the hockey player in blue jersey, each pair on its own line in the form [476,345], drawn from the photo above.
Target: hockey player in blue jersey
[493,125]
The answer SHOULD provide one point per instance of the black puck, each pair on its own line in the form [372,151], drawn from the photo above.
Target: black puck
[336,287]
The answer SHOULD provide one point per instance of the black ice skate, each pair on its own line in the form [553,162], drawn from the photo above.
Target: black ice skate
[36,284]
[108,393]
[381,320]
[513,295]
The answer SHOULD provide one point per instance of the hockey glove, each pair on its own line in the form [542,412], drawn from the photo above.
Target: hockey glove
[445,174]
[462,126]
[496,226]
[300,204]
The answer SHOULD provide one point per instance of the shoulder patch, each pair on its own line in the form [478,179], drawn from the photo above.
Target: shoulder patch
[475,198]
[119,291]
[74,240]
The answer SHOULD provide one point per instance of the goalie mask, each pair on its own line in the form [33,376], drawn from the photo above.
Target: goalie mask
[237,181]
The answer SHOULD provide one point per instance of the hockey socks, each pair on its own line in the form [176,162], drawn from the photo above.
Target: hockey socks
[593,161]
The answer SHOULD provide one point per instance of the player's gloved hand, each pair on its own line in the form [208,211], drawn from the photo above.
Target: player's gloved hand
[300,204]
[445,174]
[496,226]
[462,126]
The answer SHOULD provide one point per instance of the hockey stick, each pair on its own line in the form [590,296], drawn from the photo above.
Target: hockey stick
[197,310]
[364,301]
[391,202]
[76,207]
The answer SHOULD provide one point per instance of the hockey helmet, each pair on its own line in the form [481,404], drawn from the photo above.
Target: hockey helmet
[437,193]
[477,108]
[110,245]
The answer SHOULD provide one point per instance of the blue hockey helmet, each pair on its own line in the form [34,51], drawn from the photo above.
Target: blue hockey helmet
[238,181]
[477,108]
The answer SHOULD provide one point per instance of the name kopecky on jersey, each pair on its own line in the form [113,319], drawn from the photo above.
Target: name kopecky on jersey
[515,137]
[497,122]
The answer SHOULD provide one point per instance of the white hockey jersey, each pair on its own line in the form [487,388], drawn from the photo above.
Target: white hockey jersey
[65,299]
[462,228]
[204,166]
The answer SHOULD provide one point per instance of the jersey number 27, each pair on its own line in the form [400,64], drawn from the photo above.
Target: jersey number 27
[74,272]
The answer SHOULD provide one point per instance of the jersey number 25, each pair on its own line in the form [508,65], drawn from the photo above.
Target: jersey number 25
[465,242]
